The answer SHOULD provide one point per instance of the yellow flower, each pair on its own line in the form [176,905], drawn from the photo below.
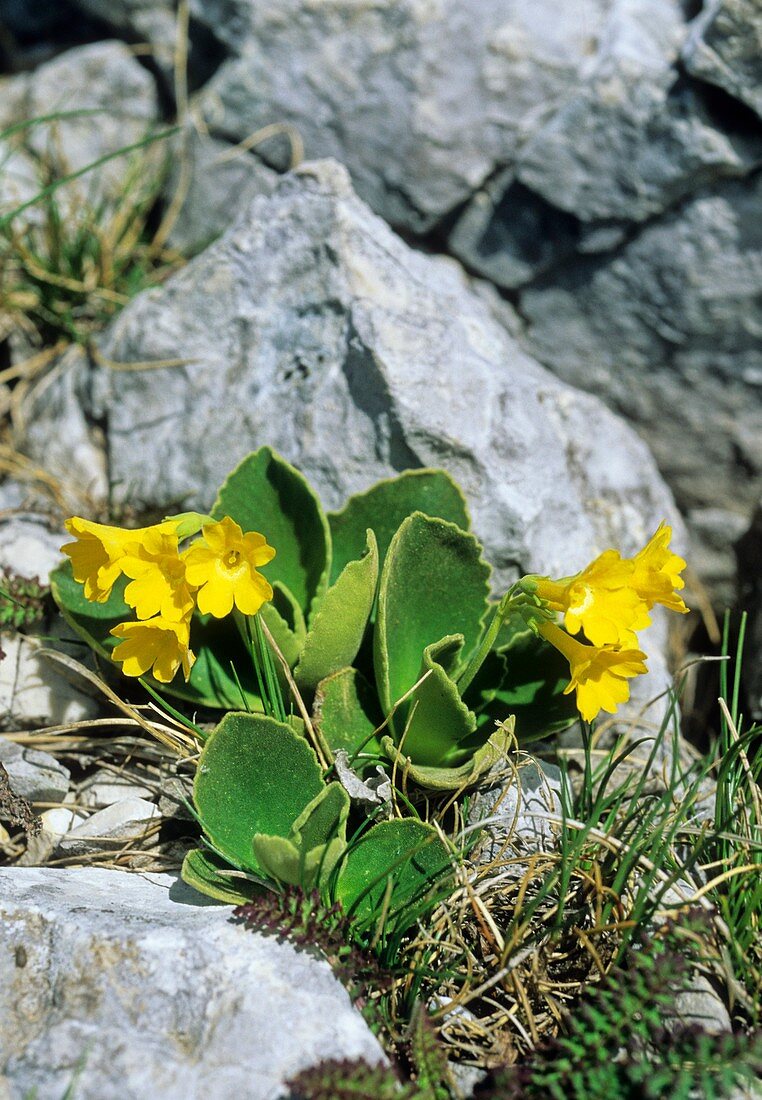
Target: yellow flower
[158,585]
[656,572]
[99,554]
[599,674]
[610,598]
[599,600]
[222,565]
[157,644]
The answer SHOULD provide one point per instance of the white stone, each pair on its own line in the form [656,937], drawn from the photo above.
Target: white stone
[29,548]
[55,433]
[128,820]
[158,992]
[521,812]
[33,692]
[106,786]
[34,775]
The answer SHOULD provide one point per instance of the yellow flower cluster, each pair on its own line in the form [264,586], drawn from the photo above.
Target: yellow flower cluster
[215,573]
[609,601]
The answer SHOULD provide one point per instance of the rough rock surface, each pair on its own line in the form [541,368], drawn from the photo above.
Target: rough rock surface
[215,182]
[34,775]
[28,546]
[104,78]
[420,100]
[55,432]
[157,993]
[522,811]
[34,692]
[311,327]
[113,828]
[668,328]
[725,48]
[424,102]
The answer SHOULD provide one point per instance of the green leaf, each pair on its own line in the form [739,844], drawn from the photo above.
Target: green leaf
[337,627]
[482,756]
[386,504]
[255,775]
[434,583]
[285,862]
[346,711]
[438,719]
[206,873]
[286,623]
[216,645]
[314,845]
[532,688]
[408,853]
[266,494]
[324,818]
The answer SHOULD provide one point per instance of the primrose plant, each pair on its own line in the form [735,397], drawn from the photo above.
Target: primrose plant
[376,623]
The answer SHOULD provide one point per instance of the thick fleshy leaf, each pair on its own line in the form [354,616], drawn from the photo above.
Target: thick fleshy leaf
[285,862]
[210,875]
[386,504]
[434,583]
[346,710]
[266,494]
[323,819]
[481,757]
[314,845]
[287,640]
[216,645]
[438,719]
[532,688]
[409,853]
[337,627]
[255,775]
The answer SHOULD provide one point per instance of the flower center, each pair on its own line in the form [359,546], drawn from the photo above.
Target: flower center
[233,559]
[581,598]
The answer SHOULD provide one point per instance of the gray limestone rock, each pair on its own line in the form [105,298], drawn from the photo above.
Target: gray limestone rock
[120,95]
[128,822]
[53,430]
[213,184]
[424,101]
[724,47]
[309,326]
[155,994]
[107,785]
[29,547]
[667,330]
[34,692]
[34,775]
[629,146]
[521,812]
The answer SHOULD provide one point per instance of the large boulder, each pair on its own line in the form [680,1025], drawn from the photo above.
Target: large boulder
[134,987]
[725,48]
[311,327]
[426,102]
[537,147]
[667,327]
[119,103]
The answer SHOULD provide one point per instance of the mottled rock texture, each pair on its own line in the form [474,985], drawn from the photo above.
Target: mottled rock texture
[153,993]
[544,145]
[311,327]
